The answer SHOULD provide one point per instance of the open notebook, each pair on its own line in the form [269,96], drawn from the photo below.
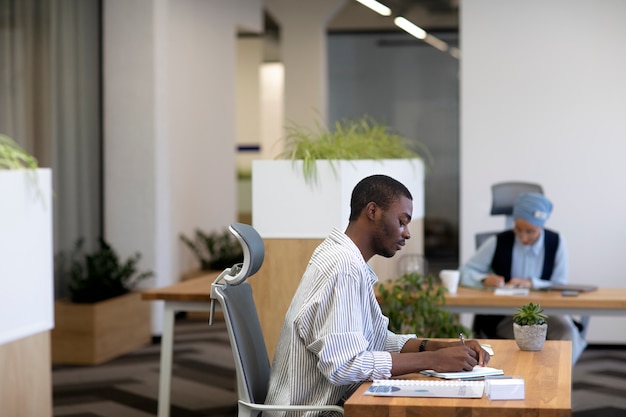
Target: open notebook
[426,388]
[477,372]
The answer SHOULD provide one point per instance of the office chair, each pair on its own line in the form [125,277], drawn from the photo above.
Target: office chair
[503,197]
[252,364]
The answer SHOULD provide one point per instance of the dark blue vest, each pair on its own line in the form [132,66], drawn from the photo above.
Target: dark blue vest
[485,325]
[503,256]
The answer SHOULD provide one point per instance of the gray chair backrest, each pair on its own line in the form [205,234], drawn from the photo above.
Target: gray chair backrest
[252,363]
[480,238]
[503,195]
[246,337]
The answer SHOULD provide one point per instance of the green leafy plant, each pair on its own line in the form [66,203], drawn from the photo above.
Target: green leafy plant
[413,303]
[529,314]
[362,138]
[101,275]
[215,250]
[12,156]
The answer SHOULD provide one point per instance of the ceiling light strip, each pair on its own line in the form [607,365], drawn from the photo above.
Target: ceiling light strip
[376,6]
[410,27]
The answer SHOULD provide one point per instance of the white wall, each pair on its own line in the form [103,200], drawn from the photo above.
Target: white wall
[543,99]
[170,117]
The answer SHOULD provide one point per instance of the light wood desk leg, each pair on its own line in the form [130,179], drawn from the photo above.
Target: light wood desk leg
[165,373]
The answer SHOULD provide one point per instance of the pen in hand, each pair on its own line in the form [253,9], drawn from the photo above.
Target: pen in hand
[462,338]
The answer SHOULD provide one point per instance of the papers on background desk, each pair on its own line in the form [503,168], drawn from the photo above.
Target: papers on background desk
[511,291]
[425,388]
[477,372]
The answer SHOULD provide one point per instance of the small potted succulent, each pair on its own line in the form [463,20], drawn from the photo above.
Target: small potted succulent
[530,327]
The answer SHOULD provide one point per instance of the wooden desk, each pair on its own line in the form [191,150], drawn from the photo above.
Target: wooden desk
[191,295]
[604,301]
[548,383]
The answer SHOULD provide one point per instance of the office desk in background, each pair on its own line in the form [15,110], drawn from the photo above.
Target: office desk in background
[548,384]
[191,295]
[603,301]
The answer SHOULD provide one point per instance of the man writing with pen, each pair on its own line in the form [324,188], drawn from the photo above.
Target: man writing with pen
[334,335]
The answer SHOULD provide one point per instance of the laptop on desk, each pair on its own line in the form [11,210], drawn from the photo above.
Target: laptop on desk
[572,287]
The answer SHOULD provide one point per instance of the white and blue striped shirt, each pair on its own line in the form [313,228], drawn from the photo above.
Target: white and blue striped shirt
[334,336]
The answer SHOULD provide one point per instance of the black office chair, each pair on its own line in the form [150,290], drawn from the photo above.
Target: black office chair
[252,364]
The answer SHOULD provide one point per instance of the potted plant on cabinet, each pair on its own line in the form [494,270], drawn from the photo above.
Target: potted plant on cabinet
[319,168]
[530,327]
[103,317]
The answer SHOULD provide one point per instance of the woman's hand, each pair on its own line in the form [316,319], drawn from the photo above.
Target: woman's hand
[493,280]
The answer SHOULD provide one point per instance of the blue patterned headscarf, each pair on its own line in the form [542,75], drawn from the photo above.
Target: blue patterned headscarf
[532,207]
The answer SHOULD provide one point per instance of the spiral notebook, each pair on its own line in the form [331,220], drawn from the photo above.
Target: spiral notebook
[426,388]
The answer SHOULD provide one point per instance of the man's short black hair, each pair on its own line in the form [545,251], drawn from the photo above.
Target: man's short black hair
[380,189]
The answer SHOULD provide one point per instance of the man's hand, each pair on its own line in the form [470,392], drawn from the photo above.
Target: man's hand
[454,359]
[460,357]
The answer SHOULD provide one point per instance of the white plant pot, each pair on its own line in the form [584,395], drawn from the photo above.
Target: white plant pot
[26,269]
[530,337]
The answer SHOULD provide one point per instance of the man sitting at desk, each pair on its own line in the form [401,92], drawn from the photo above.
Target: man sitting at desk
[529,256]
[334,335]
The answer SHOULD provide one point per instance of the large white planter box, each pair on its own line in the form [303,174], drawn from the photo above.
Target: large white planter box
[26,271]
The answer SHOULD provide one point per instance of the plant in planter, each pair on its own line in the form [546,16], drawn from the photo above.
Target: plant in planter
[530,327]
[102,274]
[104,317]
[413,305]
[215,250]
[362,138]
[12,156]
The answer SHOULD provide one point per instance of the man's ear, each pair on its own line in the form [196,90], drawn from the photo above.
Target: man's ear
[370,210]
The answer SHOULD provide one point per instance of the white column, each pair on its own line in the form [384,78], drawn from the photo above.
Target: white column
[170,125]
[303,51]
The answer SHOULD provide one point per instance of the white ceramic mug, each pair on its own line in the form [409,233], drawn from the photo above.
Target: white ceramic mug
[450,279]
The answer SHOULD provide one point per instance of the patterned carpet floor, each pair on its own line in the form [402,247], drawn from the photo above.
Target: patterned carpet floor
[203,381]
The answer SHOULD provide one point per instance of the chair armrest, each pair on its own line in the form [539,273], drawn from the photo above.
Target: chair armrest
[278,407]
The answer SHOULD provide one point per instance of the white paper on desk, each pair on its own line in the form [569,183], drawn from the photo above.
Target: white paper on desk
[505,389]
[477,372]
[511,291]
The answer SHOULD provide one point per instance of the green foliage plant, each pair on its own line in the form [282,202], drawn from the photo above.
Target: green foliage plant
[362,138]
[413,303]
[101,275]
[12,156]
[529,314]
[214,250]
